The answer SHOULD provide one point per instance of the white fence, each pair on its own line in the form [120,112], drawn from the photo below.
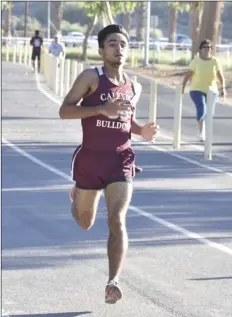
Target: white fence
[156,48]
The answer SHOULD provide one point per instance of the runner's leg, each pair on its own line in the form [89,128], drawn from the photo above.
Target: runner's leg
[118,196]
[84,206]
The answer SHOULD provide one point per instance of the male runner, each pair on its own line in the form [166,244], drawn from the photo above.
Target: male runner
[105,160]
[36,42]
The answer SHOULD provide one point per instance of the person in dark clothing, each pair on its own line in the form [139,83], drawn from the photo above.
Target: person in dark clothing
[36,42]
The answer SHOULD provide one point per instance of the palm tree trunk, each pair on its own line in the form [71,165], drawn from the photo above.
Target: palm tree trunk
[87,35]
[211,20]
[195,15]
[26,17]
[139,18]
[172,23]
[59,15]
[8,19]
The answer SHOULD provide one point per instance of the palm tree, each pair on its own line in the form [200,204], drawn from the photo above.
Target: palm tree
[195,15]
[173,16]
[211,20]
[59,15]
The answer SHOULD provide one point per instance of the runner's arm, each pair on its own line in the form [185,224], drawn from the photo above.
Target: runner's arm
[221,79]
[70,108]
[135,127]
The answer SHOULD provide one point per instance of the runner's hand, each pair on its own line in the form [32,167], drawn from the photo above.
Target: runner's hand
[149,131]
[114,107]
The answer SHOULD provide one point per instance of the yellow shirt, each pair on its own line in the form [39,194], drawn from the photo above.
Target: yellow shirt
[204,74]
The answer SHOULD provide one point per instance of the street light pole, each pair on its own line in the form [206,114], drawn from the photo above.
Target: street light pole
[147,33]
[48,22]
[26,17]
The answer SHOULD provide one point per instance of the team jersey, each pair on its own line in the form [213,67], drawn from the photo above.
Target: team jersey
[106,133]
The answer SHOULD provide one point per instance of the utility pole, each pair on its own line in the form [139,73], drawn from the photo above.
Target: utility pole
[26,14]
[48,19]
[147,33]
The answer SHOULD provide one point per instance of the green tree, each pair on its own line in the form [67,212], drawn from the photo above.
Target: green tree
[32,24]
[118,7]
[211,20]
[93,10]
[103,10]
[174,8]
[127,8]
[195,16]
[70,27]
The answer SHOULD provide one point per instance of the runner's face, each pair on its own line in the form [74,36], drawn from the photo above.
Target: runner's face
[115,49]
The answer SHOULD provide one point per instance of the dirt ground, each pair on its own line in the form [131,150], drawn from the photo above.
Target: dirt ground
[173,75]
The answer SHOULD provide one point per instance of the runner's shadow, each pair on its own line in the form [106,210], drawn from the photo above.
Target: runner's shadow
[55,314]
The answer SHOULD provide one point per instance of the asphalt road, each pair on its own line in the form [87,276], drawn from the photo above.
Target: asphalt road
[179,222]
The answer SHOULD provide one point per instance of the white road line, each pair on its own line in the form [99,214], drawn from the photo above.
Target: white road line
[35,160]
[160,149]
[189,234]
[31,189]
[151,146]
[185,141]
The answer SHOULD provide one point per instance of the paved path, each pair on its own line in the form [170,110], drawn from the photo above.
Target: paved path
[179,223]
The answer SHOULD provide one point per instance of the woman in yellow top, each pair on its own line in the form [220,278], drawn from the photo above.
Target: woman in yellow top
[204,71]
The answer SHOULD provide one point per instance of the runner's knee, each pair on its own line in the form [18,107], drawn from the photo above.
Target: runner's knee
[117,222]
[82,217]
